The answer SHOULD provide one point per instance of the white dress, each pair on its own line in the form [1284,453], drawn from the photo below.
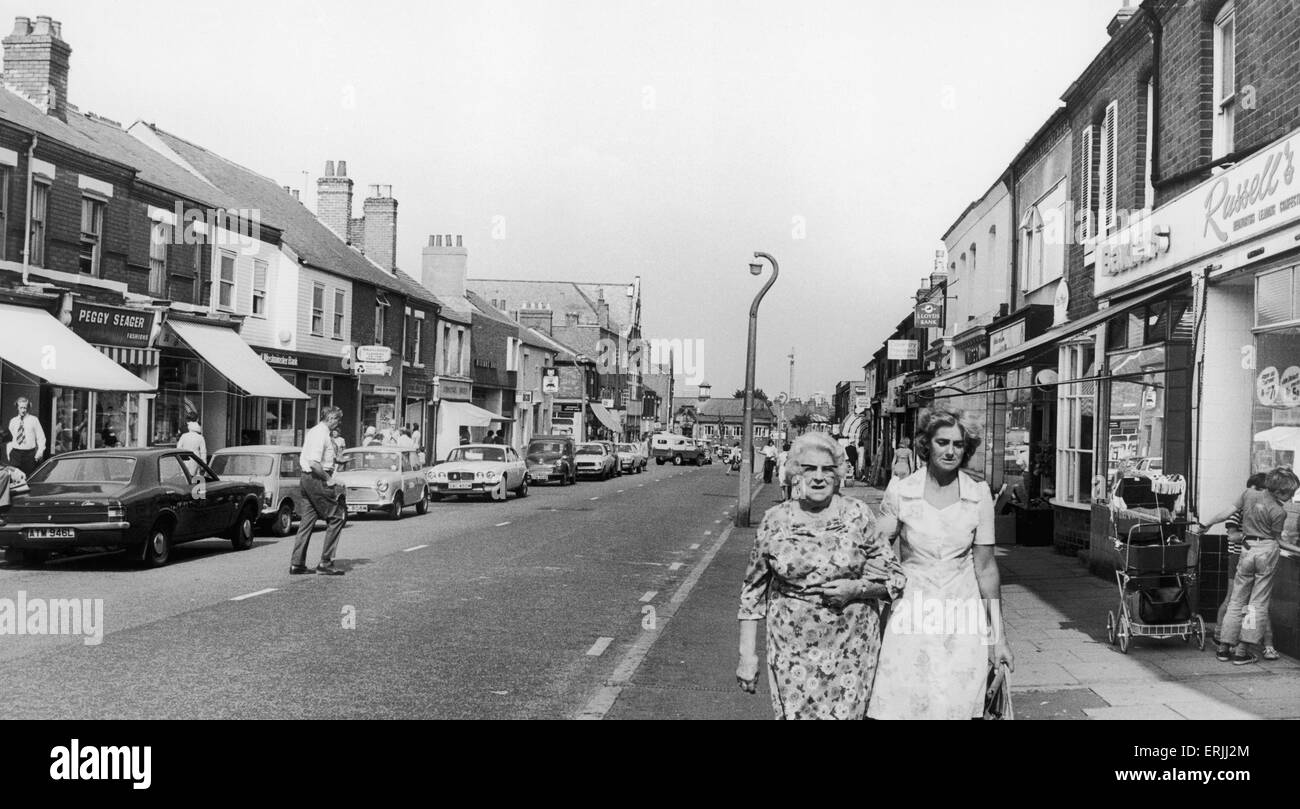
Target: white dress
[934,656]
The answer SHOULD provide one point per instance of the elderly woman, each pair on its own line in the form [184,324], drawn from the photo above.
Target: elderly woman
[946,631]
[817,574]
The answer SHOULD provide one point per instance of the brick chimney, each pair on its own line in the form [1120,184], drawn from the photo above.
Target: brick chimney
[706,392]
[380,213]
[541,319]
[602,308]
[36,63]
[1122,16]
[443,268]
[334,198]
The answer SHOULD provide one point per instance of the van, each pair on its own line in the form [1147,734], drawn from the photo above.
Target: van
[666,447]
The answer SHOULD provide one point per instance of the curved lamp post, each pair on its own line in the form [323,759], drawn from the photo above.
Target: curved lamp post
[747,431]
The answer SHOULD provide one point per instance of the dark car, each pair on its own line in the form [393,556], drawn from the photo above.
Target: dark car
[550,458]
[143,500]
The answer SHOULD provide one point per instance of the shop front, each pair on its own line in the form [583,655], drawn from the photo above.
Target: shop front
[209,375]
[416,403]
[603,424]
[569,418]
[89,419]
[285,421]
[81,397]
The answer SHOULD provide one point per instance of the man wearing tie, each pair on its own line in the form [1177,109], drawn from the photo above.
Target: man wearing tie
[27,439]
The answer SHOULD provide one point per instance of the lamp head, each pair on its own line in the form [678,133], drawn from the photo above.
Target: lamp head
[755,269]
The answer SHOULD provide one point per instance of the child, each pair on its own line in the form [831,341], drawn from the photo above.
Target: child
[1263,516]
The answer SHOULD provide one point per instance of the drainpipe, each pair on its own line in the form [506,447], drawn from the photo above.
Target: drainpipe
[27,238]
[1157,38]
[1013,238]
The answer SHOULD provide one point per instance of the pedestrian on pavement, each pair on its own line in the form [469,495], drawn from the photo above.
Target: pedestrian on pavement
[852,452]
[370,438]
[944,518]
[26,438]
[782,473]
[1232,521]
[320,496]
[417,436]
[817,575]
[769,460]
[904,460]
[192,440]
[339,446]
[733,459]
[1263,516]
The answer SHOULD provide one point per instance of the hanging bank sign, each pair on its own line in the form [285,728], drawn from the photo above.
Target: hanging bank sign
[1252,199]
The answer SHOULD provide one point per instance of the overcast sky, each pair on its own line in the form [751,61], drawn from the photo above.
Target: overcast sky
[596,141]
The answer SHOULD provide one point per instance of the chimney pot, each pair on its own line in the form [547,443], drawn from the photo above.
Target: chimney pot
[22,26]
[295,195]
[458,242]
[431,244]
[343,168]
[42,26]
[286,189]
[329,168]
[58,29]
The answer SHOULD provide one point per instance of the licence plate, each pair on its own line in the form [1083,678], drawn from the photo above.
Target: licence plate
[357,509]
[460,485]
[51,533]
[541,475]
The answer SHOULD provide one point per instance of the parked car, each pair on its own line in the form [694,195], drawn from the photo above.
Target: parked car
[489,469]
[277,469]
[595,461]
[666,447]
[550,458]
[144,500]
[387,479]
[630,458]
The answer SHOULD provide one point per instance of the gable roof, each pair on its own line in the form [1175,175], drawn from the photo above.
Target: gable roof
[487,310]
[306,235]
[560,296]
[731,408]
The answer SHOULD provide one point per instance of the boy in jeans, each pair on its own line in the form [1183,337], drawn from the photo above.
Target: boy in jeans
[1262,518]
[1232,521]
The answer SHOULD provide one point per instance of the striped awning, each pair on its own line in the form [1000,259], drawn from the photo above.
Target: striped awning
[130,356]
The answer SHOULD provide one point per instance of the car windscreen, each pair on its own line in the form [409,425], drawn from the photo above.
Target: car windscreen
[105,469]
[477,454]
[243,464]
[373,461]
[626,448]
[591,449]
[545,446]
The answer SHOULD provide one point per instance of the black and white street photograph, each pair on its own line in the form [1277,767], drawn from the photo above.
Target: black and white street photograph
[654,360]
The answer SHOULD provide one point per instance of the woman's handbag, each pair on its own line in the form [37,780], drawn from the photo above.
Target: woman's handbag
[997,699]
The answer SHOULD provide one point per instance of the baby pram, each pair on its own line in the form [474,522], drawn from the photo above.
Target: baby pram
[1158,559]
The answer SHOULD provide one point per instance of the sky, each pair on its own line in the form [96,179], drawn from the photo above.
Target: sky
[597,141]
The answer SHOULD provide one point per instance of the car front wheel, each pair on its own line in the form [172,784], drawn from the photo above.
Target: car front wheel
[523,487]
[395,510]
[677,460]
[241,535]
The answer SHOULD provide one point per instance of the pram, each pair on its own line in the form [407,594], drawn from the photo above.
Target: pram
[1158,561]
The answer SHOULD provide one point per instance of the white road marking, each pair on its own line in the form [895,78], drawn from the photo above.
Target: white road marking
[595,498]
[640,485]
[416,548]
[675,566]
[696,546]
[607,695]
[708,533]
[598,648]
[649,596]
[620,491]
[498,525]
[252,595]
[717,522]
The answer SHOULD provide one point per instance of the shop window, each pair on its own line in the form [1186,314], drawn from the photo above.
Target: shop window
[179,400]
[1275,422]
[1135,426]
[1076,425]
[1274,298]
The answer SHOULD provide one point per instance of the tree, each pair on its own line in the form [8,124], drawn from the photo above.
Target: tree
[800,422]
[759,395]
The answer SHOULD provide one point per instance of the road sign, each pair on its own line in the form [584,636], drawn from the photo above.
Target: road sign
[374,369]
[370,354]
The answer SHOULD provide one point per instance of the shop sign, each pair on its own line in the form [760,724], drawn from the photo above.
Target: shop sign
[374,369]
[110,325]
[929,315]
[417,388]
[1006,339]
[279,359]
[1254,197]
[525,397]
[452,389]
[550,380]
[379,354]
[567,409]
[385,390]
[903,350]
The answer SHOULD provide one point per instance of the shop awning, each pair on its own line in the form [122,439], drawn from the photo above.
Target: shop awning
[606,418]
[226,351]
[469,415]
[1052,335]
[35,341]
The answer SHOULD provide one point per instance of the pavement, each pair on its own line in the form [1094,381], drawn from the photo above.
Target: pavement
[1055,616]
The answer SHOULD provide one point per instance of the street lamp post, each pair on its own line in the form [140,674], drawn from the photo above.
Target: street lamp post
[747,431]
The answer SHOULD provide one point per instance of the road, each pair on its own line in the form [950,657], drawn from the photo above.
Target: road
[476,610]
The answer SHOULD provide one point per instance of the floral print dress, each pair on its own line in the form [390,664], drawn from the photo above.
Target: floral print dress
[821,661]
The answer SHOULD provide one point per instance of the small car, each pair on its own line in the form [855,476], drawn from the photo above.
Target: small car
[490,469]
[145,500]
[595,461]
[387,479]
[277,468]
[550,458]
[630,459]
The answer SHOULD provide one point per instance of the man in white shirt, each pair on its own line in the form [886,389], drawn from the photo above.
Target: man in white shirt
[320,497]
[26,438]
[769,460]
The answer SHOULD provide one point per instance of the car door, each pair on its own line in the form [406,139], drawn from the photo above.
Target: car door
[215,511]
[177,495]
[412,478]
[515,467]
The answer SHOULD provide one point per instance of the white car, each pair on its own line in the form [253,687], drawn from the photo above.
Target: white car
[630,458]
[490,469]
[386,479]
